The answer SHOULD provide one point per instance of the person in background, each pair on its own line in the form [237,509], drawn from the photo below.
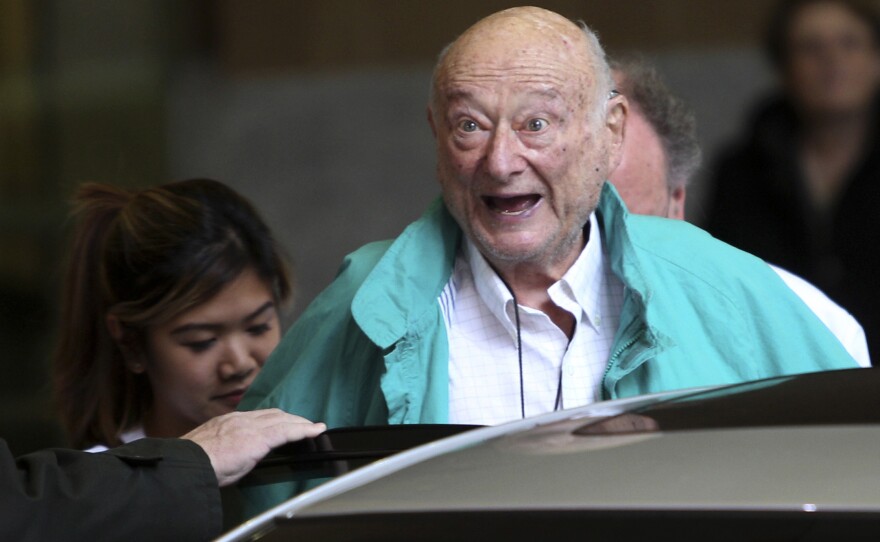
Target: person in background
[152,489]
[169,309]
[800,189]
[660,149]
[660,156]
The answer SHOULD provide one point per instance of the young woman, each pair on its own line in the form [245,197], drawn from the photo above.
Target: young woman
[170,307]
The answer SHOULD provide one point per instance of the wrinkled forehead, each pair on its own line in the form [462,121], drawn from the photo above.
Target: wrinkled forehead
[522,46]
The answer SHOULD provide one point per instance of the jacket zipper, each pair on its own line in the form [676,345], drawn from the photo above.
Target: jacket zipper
[613,359]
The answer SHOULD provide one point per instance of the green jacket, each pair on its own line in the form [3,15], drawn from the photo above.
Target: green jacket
[372,348]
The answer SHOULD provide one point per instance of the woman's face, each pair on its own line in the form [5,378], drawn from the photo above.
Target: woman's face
[833,65]
[201,362]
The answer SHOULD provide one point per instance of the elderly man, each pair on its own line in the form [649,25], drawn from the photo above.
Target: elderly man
[661,154]
[529,287]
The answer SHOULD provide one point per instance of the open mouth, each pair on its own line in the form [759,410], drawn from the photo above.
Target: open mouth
[512,206]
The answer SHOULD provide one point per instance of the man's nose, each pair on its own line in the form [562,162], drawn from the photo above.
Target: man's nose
[238,360]
[504,154]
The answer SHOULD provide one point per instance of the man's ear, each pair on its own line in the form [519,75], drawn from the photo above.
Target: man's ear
[676,202]
[431,122]
[123,340]
[616,113]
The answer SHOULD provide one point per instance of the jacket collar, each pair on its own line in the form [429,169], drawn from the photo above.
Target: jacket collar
[625,254]
[409,277]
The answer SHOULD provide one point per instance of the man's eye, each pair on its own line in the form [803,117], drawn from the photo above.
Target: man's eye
[468,126]
[536,125]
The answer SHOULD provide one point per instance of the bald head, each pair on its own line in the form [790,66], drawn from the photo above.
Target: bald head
[527,37]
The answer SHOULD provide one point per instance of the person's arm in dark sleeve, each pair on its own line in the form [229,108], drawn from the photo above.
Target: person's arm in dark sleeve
[151,489]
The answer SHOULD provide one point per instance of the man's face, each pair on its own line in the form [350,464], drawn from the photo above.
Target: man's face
[523,146]
[640,178]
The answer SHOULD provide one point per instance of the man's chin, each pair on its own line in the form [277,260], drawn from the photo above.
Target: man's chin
[542,248]
[509,249]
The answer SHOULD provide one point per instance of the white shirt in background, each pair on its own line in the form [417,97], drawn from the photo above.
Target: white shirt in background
[131,435]
[844,326]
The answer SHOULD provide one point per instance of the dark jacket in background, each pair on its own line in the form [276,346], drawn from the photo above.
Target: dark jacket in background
[151,489]
[760,204]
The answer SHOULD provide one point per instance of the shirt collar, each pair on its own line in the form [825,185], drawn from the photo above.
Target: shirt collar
[582,283]
[585,280]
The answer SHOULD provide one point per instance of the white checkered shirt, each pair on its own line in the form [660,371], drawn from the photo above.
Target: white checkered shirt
[484,381]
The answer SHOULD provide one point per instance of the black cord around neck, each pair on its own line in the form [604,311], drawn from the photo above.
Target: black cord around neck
[557,404]
[522,391]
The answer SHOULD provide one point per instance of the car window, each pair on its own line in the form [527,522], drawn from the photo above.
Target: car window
[829,398]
